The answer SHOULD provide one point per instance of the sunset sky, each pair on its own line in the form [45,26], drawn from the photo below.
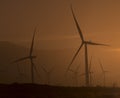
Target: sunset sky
[99,21]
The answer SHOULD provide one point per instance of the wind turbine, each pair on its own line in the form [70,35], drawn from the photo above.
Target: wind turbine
[75,72]
[21,75]
[30,57]
[104,73]
[85,43]
[48,73]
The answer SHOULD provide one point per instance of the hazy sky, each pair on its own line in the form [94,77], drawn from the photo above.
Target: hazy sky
[99,21]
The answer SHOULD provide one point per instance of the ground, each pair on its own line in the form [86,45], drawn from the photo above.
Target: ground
[45,91]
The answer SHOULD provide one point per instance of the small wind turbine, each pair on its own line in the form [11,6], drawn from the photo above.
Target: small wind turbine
[91,72]
[30,57]
[85,43]
[104,73]
[75,72]
[48,73]
[21,75]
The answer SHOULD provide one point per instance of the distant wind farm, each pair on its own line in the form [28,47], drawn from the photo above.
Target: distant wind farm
[50,49]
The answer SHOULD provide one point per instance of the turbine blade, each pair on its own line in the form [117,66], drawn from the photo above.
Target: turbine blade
[92,43]
[21,59]
[77,68]
[44,69]
[75,56]
[77,25]
[32,44]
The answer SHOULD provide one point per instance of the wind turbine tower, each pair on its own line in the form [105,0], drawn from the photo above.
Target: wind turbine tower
[90,72]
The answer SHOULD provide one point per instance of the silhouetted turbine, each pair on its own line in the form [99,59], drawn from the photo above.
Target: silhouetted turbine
[30,57]
[21,75]
[75,72]
[48,73]
[85,43]
[104,73]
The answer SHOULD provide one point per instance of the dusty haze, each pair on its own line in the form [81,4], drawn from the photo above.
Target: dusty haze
[57,38]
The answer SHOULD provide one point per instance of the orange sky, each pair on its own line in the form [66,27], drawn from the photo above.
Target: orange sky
[99,21]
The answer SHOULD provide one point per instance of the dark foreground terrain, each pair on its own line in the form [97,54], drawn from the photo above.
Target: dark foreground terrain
[44,91]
